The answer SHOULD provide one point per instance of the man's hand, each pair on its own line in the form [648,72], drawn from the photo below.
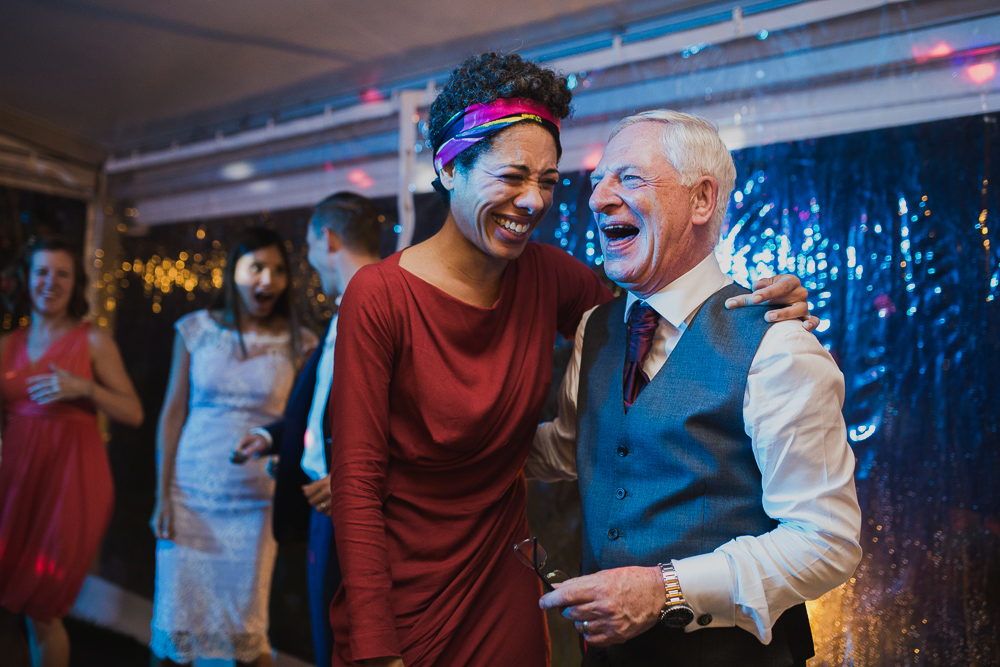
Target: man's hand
[782,290]
[318,495]
[250,445]
[616,604]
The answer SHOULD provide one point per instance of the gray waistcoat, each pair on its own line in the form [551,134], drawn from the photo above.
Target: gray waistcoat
[676,476]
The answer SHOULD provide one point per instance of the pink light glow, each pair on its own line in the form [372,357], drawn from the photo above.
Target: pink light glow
[939,50]
[370,96]
[360,178]
[592,159]
[982,72]
[46,566]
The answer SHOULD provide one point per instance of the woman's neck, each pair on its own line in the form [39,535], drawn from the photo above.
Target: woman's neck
[46,325]
[247,324]
[270,324]
[452,263]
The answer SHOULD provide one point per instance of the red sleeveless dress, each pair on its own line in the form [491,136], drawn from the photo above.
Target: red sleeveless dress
[56,492]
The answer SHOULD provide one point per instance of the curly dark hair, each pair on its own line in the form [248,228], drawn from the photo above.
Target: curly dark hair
[491,76]
[18,301]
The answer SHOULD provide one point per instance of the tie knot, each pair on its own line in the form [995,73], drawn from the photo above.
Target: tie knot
[642,323]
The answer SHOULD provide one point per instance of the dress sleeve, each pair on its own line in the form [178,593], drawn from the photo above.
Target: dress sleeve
[580,289]
[359,419]
[191,327]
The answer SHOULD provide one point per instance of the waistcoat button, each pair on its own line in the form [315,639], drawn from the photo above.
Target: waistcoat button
[613,534]
[619,494]
[623,451]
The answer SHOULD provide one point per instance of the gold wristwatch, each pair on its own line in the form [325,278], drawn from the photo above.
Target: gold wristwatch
[676,612]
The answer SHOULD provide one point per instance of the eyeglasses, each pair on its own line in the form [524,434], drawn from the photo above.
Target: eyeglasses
[532,554]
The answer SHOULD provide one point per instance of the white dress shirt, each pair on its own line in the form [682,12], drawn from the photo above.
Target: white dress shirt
[313,460]
[792,413]
[314,453]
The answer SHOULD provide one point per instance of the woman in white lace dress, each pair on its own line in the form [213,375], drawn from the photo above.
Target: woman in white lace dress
[233,368]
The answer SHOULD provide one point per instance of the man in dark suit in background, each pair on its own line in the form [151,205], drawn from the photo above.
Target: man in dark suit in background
[343,236]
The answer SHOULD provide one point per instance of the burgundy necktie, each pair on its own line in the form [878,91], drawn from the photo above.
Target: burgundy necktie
[642,322]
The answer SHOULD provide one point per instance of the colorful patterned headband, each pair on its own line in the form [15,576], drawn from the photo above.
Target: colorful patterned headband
[473,124]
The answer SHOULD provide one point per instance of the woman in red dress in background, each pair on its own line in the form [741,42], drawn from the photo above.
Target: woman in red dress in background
[56,491]
[443,362]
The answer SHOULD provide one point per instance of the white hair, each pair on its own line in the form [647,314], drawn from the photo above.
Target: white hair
[693,147]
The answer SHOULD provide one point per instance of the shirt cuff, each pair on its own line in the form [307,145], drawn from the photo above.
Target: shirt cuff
[707,585]
[264,433]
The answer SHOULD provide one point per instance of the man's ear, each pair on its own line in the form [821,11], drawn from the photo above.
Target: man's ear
[704,199]
[333,240]
[447,176]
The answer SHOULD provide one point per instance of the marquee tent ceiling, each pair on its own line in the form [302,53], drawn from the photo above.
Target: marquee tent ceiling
[189,108]
[130,75]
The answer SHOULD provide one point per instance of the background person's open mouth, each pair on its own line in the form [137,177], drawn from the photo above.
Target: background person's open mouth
[264,300]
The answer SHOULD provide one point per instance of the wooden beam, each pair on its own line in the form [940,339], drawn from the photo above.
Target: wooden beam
[52,141]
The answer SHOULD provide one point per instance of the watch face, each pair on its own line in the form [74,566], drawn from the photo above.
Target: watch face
[678,617]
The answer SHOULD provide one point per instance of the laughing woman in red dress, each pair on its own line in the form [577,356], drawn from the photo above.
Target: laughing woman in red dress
[443,362]
[56,490]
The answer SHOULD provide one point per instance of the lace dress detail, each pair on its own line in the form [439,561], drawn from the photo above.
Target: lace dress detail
[214,577]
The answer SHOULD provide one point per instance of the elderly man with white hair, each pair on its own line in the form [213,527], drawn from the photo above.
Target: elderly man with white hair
[715,476]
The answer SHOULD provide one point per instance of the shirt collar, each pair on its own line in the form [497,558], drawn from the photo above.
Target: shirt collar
[679,299]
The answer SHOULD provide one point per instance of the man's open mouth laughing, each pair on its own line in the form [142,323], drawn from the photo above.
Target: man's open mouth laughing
[618,234]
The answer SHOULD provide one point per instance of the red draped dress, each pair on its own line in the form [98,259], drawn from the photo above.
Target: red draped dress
[56,492]
[433,408]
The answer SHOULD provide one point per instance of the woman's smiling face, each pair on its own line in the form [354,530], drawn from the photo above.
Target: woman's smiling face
[502,197]
[50,282]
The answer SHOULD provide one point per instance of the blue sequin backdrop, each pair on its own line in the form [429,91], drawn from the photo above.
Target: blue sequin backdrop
[892,232]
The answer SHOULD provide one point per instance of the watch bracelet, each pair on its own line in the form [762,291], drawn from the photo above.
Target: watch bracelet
[671,589]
